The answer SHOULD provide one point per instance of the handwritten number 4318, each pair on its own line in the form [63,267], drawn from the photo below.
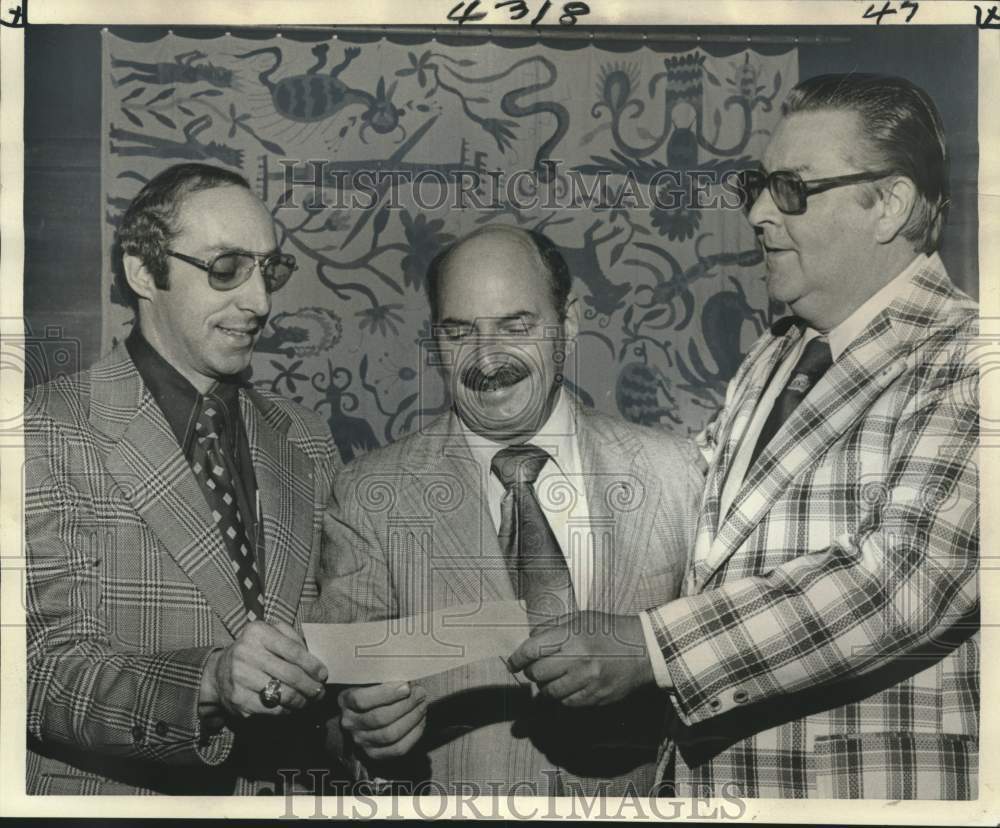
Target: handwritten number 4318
[517,10]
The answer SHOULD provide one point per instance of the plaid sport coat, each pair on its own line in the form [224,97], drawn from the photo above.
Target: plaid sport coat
[129,587]
[827,643]
[409,531]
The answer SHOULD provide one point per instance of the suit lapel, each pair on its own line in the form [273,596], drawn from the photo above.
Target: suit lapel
[744,404]
[621,496]
[154,476]
[843,395]
[286,485]
[441,479]
[621,500]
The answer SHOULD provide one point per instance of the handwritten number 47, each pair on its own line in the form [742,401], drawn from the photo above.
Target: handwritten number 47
[887,8]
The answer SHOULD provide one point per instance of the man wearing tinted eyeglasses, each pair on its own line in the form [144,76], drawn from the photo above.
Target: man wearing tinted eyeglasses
[172,515]
[827,641]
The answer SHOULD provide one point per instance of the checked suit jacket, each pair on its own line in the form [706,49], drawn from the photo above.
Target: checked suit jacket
[129,587]
[409,531]
[827,644]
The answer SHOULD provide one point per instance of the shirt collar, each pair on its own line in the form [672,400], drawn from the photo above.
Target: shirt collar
[847,331]
[177,398]
[556,436]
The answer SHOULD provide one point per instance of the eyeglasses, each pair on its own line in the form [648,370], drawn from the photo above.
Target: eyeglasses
[232,268]
[788,189]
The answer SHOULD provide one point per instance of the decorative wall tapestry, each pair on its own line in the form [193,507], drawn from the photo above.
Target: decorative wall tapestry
[620,158]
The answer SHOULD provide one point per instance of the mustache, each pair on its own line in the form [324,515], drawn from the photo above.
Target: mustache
[503,376]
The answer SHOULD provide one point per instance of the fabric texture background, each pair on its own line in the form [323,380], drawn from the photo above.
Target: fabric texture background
[672,295]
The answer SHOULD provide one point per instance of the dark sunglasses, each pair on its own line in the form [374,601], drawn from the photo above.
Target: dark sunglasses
[232,268]
[788,189]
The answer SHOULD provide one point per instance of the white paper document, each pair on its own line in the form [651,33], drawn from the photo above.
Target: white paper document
[401,649]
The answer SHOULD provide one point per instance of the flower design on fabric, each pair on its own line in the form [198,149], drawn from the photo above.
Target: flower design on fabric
[677,224]
[392,375]
[425,240]
[381,318]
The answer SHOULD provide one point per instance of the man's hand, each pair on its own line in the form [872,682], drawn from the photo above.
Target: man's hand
[234,677]
[586,659]
[385,720]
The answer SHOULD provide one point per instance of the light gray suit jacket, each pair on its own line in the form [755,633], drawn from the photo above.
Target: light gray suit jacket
[409,530]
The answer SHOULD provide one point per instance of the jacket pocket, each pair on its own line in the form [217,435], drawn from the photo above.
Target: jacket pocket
[896,765]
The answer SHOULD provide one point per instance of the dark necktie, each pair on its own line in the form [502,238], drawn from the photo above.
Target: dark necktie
[814,362]
[536,564]
[208,462]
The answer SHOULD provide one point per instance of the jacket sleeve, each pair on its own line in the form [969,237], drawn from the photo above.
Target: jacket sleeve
[885,592]
[328,466]
[81,690]
[355,581]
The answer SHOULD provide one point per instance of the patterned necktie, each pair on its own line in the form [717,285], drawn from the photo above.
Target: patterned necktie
[212,472]
[536,564]
[814,362]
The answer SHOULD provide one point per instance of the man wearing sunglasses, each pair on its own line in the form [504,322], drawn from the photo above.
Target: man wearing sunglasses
[172,515]
[827,641]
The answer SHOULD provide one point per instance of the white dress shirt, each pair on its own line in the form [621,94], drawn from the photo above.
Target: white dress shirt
[568,517]
[839,338]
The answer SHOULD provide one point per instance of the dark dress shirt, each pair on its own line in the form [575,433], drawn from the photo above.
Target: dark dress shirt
[181,405]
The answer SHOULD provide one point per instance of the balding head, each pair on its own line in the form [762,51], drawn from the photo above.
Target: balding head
[546,261]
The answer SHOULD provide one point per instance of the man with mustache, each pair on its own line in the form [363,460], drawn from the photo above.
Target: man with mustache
[827,641]
[172,516]
[518,491]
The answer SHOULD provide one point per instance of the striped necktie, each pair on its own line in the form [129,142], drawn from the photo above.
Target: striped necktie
[535,561]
